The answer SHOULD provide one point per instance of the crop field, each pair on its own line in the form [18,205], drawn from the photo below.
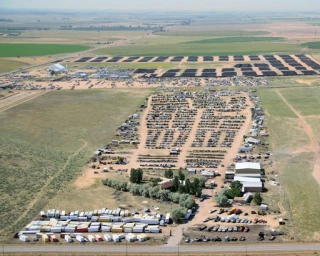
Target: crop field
[8,65]
[40,155]
[294,160]
[312,45]
[237,40]
[218,33]
[14,50]
[194,49]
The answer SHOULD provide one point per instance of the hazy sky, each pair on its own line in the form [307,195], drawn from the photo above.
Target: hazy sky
[171,5]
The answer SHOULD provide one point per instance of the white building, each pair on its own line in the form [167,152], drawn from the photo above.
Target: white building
[250,184]
[57,68]
[248,168]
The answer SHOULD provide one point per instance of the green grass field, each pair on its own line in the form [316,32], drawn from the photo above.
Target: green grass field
[237,40]
[312,45]
[304,100]
[14,50]
[194,49]
[46,142]
[220,33]
[278,108]
[9,65]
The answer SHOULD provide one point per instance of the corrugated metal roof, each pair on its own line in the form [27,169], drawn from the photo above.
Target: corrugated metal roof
[248,165]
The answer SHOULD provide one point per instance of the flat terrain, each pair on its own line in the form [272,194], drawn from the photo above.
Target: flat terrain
[211,49]
[40,155]
[296,153]
[8,65]
[13,50]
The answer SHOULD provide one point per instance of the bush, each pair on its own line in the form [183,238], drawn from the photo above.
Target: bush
[179,214]
[257,198]
[222,199]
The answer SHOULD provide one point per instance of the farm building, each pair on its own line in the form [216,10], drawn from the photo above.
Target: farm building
[166,184]
[57,68]
[244,199]
[250,184]
[247,168]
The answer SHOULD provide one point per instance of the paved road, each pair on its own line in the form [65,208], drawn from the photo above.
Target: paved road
[162,249]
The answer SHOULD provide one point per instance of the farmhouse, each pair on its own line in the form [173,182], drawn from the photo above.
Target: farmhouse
[57,68]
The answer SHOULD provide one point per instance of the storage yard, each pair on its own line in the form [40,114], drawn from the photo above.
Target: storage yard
[217,135]
[173,132]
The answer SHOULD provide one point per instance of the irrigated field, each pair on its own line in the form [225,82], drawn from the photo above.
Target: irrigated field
[14,50]
[213,33]
[46,142]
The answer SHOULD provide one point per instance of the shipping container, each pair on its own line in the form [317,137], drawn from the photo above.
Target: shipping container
[107,237]
[80,238]
[23,238]
[91,238]
[68,239]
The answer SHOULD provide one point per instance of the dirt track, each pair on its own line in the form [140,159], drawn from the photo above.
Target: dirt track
[313,146]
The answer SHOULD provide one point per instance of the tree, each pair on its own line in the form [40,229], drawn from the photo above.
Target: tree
[195,187]
[187,186]
[155,181]
[182,177]
[178,214]
[168,174]
[257,198]
[222,199]
[136,176]
[188,203]
[233,192]
[176,183]
[202,182]
[237,185]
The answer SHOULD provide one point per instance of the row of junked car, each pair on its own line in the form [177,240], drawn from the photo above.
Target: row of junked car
[228,219]
[215,239]
[224,229]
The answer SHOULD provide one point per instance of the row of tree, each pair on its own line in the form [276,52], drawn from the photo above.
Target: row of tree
[184,200]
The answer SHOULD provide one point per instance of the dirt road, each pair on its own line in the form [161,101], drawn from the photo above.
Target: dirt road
[313,146]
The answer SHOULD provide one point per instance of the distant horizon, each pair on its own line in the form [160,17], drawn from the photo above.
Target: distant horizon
[153,11]
[281,6]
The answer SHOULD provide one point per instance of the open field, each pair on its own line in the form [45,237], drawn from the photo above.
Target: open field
[129,65]
[237,40]
[294,157]
[9,65]
[306,101]
[40,156]
[194,49]
[248,253]
[312,45]
[13,50]
[219,33]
